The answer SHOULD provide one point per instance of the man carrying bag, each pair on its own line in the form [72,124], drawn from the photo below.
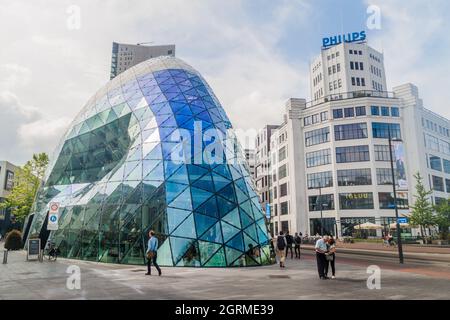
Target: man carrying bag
[152,249]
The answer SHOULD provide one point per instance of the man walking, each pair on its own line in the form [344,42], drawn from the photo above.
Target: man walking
[152,250]
[297,243]
[281,248]
[289,243]
[321,249]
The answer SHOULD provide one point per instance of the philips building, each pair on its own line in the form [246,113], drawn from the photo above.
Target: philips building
[330,161]
[115,177]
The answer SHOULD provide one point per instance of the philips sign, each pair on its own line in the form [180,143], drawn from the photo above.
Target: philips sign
[349,37]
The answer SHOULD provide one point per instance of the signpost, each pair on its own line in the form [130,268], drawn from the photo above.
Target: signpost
[402,220]
[34,249]
[268,211]
[53,216]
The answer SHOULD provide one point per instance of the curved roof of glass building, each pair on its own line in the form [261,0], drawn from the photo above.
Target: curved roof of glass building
[154,150]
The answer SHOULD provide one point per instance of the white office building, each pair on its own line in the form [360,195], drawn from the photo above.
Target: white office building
[333,153]
[124,56]
[250,157]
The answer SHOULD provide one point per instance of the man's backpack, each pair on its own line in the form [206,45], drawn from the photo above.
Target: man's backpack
[281,244]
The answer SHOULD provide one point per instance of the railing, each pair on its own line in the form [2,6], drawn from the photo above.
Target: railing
[352,95]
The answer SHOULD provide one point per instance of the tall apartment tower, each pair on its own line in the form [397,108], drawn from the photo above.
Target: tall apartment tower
[346,68]
[262,163]
[125,56]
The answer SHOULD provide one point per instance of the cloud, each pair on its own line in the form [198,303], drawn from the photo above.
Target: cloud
[415,49]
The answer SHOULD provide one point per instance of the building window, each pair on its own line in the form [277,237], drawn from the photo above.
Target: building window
[438,183]
[361,66]
[446,165]
[363,82]
[284,208]
[353,81]
[360,111]
[382,153]
[447,185]
[386,200]
[384,176]
[350,131]
[337,113]
[352,154]
[318,136]
[375,111]
[355,201]
[354,177]
[352,65]
[283,190]
[318,158]
[395,112]
[9,182]
[349,112]
[435,163]
[326,200]
[282,153]
[324,116]
[307,121]
[381,130]
[385,111]
[320,180]
[282,172]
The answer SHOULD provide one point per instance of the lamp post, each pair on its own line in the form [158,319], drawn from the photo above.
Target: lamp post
[321,214]
[399,238]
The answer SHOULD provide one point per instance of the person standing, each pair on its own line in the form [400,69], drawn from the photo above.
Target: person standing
[321,248]
[297,243]
[331,258]
[289,243]
[281,246]
[152,251]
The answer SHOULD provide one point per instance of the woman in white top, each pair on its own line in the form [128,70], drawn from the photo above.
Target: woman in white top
[331,257]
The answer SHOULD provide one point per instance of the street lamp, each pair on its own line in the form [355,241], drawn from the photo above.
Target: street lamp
[399,238]
[321,214]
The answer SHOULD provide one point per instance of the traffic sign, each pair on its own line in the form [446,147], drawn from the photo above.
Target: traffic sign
[402,220]
[53,216]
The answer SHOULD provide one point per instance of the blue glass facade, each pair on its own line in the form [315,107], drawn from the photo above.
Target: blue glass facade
[116,177]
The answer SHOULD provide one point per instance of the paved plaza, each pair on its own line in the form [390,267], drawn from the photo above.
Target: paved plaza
[34,280]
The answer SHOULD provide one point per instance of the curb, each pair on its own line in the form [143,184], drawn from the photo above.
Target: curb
[417,256]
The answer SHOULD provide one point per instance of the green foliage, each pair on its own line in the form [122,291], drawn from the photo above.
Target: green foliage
[27,181]
[422,211]
[442,218]
[13,240]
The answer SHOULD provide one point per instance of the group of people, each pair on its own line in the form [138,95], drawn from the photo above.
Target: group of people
[284,245]
[325,248]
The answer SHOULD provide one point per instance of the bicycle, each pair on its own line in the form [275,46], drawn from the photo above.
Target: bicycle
[51,252]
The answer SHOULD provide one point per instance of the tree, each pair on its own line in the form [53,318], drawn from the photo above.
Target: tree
[27,181]
[442,218]
[422,211]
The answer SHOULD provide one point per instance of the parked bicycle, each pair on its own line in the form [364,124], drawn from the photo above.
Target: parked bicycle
[52,251]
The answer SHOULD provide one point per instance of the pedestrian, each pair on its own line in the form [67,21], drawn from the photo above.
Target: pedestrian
[281,246]
[297,243]
[289,243]
[152,251]
[331,257]
[321,248]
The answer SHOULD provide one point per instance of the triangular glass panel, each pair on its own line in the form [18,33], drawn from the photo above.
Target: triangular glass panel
[203,223]
[233,218]
[214,234]
[225,206]
[237,242]
[217,260]
[179,247]
[209,208]
[183,201]
[228,231]
[199,196]
[175,217]
[186,228]
[207,249]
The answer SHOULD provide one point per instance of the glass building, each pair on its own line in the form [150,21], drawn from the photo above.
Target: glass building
[154,150]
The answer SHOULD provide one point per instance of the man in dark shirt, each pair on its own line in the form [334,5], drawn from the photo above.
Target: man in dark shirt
[297,243]
[289,241]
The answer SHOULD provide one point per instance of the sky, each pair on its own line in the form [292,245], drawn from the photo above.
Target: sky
[255,54]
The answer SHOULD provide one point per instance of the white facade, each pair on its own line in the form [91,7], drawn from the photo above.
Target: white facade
[338,146]
[250,157]
[344,68]
[125,56]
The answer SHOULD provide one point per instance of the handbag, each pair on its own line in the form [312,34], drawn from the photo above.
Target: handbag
[150,254]
[329,257]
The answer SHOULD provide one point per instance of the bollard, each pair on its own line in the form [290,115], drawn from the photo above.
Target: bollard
[5,256]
